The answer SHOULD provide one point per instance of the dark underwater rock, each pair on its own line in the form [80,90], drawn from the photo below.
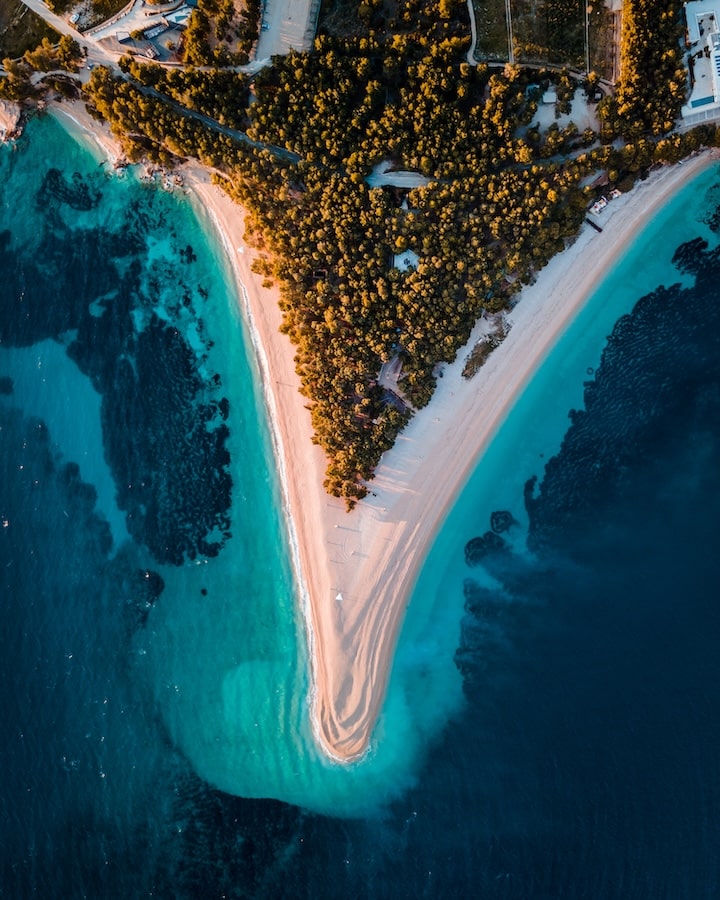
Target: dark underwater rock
[501,520]
[690,256]
[474,551]
[648,390]
[76,194]
[145,586]
[170,466]
[163,421]
[478,548]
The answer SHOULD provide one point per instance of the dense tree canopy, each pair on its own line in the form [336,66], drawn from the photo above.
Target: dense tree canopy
[653,79]
[498,198]
[221,33]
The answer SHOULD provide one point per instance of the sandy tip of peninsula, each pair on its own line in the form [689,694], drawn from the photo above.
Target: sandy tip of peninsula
[359,570]
[355,572]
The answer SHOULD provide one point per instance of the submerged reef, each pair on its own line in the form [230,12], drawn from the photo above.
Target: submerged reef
[634,465]
[163,413]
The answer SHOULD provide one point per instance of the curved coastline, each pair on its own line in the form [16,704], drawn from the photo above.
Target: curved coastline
[391,531]
[355,572]
[206,196]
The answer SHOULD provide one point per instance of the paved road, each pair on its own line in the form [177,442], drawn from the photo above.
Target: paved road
[96,54]
[99,54]
[133,19]
[286,25]
[240,136]
[278,152]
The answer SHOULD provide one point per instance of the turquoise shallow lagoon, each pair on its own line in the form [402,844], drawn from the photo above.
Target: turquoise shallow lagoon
[550,721]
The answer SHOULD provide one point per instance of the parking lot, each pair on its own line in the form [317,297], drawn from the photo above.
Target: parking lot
[286,25]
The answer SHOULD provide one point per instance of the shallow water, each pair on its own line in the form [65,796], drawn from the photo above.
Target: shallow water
[152,649]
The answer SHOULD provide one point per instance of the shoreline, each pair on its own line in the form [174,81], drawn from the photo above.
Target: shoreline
[355,572]
[78,121]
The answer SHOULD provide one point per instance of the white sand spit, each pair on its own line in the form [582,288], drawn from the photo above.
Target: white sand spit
[356,571]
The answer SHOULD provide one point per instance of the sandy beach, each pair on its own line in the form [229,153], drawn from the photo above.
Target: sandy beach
[356,571]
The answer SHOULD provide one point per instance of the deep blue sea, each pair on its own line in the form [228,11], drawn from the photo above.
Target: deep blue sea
[153,666]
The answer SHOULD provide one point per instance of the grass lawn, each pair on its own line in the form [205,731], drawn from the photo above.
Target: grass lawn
[545,31]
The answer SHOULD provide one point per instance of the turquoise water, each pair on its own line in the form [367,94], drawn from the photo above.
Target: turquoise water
[549,723]
[222,653]
[47,386]
[535,427]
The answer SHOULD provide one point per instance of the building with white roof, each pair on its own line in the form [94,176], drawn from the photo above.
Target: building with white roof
[703,41]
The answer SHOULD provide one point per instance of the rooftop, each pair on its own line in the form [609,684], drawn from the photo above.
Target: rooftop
[703,58]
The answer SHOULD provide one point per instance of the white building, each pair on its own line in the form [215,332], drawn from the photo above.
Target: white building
[703,38]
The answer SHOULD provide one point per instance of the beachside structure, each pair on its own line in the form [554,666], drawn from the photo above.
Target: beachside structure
[702,37]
